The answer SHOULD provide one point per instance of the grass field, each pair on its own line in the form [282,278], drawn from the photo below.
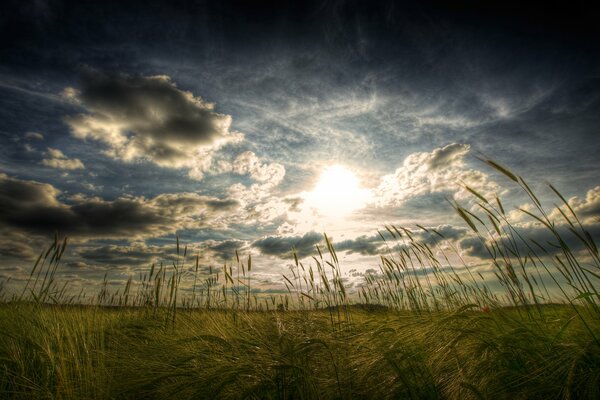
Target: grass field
[100,353]
[403,334]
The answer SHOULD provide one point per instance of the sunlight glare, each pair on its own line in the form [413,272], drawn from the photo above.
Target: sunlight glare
[337,193]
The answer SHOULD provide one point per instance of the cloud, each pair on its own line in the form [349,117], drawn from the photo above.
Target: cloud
[282,246]
[34,136]
[34,207]
[149,118]
[266,176]
[372,245]
[248,163]
[447,232]
[475,247]
[135,254]
[442,170]
[587,208]
[225,250]
[18,246]
[445,156]
[365,245]
[59,161]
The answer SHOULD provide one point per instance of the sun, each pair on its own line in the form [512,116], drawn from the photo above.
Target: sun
[337,193]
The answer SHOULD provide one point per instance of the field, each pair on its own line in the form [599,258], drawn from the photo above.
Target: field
[100,353]
[403,334]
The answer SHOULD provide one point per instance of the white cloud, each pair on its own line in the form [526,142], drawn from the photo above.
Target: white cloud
[266,176]
[248,163]
[59,161]
[587,209]
[442,170]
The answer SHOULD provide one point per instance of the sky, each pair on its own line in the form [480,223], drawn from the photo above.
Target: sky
[258,126]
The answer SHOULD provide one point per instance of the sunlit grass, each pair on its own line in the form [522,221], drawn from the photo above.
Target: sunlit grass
[417,329]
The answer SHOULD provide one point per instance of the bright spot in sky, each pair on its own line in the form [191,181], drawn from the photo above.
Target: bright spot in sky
[337,193]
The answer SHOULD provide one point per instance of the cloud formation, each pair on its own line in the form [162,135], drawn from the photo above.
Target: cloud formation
[149,118]
[267,173]
[224,250]
[35,207]
[266,177]
[34,136]
[56,159]
[283,246]
[587,208]
[372,245]
[365,245]
[135,254]
[531,232]
[442,170]
[18,246]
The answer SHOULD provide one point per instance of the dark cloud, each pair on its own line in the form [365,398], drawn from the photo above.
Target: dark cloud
[366,245]
[372,245]
[225,250]
[148,118]
[18,246]
[283,246]
[34,207]
[447,232]
[587,210]
[476,247]
[125,256]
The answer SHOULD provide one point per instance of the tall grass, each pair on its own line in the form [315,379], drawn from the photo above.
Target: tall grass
[427,325]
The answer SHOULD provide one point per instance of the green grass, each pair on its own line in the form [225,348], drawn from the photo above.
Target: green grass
[100,353]
[530,332]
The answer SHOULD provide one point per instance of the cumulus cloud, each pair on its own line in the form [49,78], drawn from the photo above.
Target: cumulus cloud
[283,246]
[56,159]
[442,170]
[35,207]
[587,208]
[149,118]
[266,177]
[249,163]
